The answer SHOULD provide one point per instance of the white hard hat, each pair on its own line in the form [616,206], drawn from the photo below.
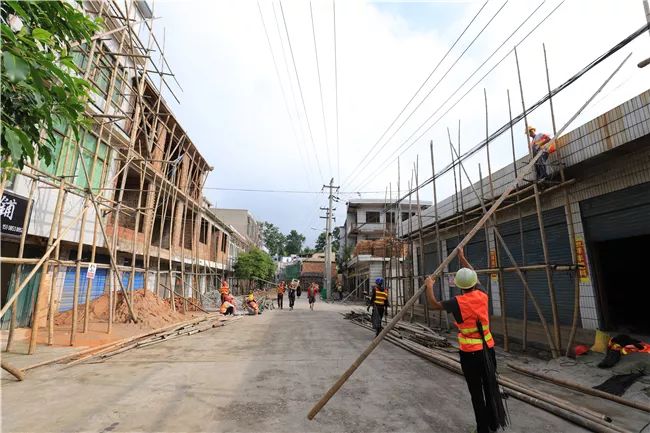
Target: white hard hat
[465,278]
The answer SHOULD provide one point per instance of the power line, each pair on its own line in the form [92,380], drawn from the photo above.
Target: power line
[320,87]
[302,98]
[531,108]
[284,97]
[389,160]
[421,86]
[436,85]
[285,191]
[336,94]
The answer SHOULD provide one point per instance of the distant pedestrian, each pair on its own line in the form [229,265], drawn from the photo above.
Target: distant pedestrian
[281,289]
[311,294]
[292,295]
[339,290]
[298,289]
[379,303]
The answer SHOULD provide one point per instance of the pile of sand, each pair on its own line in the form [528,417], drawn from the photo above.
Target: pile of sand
[152,312]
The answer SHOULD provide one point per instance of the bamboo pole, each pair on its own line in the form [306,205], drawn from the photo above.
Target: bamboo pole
[524,337]
[540,222]
[411,263]
[35,316]
[19,268]
[16,372]
[437,231]
[502,295]
[421,242]
[569,218]
[55,274]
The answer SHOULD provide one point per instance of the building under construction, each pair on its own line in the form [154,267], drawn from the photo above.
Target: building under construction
[564,256]
[121,208]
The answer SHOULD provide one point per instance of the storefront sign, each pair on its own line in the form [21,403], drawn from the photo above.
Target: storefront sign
[493,265]
[12,214]
[581,258]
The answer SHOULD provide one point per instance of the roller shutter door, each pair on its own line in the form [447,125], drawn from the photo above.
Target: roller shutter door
[620,214]
[557,239]
[97,289]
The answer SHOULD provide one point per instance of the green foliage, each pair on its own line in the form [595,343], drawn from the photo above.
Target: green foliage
[40,86]
[336,241]
[274,240]
[307,251]
[254,264]
[293,243]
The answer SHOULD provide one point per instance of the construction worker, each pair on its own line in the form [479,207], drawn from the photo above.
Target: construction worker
[379,303]
[538,144]
[339,290]
[227,305]
[470,311]
[311,294]
[224,290]
[281,290]
[292,295]
[251,304]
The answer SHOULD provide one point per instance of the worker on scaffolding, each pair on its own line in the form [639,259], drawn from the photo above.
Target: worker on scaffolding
[477,357]
[224,290]
[281,290]
[379,303]
[292,294]
[538,144]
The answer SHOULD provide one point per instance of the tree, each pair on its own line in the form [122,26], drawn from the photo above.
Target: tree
[293,243]
[40,83]
[254,264]
[307,251]
[336,241]
[274,240]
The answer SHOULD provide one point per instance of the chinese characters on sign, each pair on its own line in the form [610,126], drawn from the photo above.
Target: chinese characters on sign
[493,264]
[92,270]
[12,214]
[581,258]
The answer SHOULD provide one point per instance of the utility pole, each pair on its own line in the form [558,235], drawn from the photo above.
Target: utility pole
[328,237]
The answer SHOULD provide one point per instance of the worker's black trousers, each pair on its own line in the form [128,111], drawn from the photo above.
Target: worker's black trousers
[280,296]
[292,300]
[475,374]
[377,316]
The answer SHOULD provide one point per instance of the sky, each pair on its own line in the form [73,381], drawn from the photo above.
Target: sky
[266,124]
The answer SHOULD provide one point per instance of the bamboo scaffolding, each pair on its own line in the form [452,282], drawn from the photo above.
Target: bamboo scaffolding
[421,242]
[438,241]
[486,216]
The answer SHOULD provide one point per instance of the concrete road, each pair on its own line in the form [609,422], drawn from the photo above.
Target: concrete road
[258,374]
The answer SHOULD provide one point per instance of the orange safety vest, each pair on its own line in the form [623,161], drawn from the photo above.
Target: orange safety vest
[281,290]
[224,290]
[630,348]
[473,306]
[381,296]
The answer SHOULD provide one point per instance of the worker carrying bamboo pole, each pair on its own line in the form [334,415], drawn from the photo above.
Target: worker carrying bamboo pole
[538,144]
[379,303]
[477,357]
[224,290]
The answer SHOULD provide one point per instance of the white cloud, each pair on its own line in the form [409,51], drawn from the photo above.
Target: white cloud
[233,110]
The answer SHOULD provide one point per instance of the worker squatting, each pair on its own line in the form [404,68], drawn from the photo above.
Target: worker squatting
[229,306]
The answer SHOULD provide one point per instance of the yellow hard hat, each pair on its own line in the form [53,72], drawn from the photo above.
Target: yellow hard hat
[465,278]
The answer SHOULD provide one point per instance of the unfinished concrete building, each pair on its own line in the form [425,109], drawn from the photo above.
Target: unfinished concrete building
[124,202]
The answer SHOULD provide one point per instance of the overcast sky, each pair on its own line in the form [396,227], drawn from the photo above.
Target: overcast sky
[252,127]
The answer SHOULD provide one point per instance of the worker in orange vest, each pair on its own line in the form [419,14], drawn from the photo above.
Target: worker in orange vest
[281,289]
[470,311]
[379,303]
[538,144]
[224,290]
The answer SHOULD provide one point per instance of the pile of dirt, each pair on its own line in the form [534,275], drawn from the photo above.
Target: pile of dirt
[152,311]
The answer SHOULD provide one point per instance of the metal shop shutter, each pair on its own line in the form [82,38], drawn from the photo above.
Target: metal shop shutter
[619,214]
[431,262]
[476,253]
[97,289]
[25,301]
[557,239]
[138,280]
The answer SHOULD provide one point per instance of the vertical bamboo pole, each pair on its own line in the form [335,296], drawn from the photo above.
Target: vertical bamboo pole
[542,230]
[411,270]
[437,229]
[502,295]
[35,316]
[421,242]
[19,268]
[399,231]
[569,218]
[55,273]
[524,337]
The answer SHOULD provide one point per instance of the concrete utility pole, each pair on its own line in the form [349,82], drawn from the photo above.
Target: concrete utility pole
[328,238]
